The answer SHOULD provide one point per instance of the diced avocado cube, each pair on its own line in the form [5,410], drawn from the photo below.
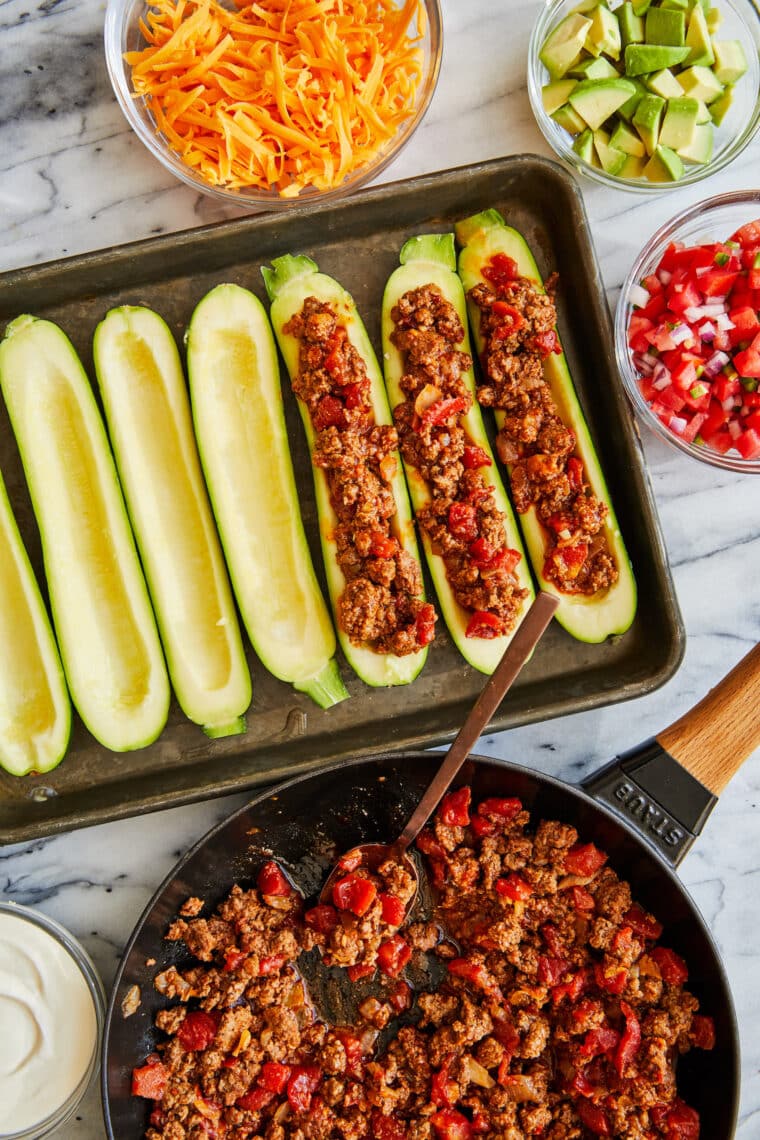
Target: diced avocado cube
[625,139]
[587,6]
[647,120]
[701,147]
[633,167]
[721,106]
[698,39]
[604,33]
[596,99]
[680,122]
[628,110]
[631,25]
[700,83]
[569,119]
[664,166]
[641,7]
[584,146]
[612,160]
[554,94]
[640,59]
[564,44]
[590,68]
[730,61]
[664,84]
[680,5]
[703,115]
[665,26]
[714,18]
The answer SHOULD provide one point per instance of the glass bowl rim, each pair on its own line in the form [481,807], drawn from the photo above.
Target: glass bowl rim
[669,231]
[564,151]
[86,966]
[116,15]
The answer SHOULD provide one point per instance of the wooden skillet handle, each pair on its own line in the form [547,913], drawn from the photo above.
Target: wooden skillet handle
[714,738]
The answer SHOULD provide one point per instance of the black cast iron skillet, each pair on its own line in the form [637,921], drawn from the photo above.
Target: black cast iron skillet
[644,809]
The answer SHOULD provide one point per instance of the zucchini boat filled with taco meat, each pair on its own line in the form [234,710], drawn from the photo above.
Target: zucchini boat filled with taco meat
[366,528]
[557,485]
[469,533]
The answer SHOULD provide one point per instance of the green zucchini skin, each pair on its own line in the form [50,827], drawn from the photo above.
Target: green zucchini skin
[587,619]
[147,410]
[289,282]
[102,615]
[35,710]
[242,438]
[430,259]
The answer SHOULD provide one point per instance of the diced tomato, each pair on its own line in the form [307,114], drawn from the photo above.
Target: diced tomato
[387,1127]
[638,326]
[354,893]
[684,375]
[692,429]
[715,419]
[717,283]
[630,1040]
[654,308]
[702,1032]
[652,284]
[682,296]
[274,1076]
[682,1122]
[611,978]
[329,412]
[425,624]
[511,320]
[443,1091]
[362,970]
[149,1080]
[400,996]
[483,827]
[748,444]
[463,521]
[442,410]
[393,955]
[271,964]
[197,1031]
[157,1118]
[584,859]
[500,269]
[272,881]
[571,557]
[455,808]
[323,918]
[672,966]
[581,1084]
[575,473]
[676,254]
[473,972]
[393,909]
[481,1125]
[474,457]
[484,624]
[352,1047]
[301,1086]
[601,1040]
[571,989]
[255,1099]
[746,324]
[382,545]
[501,810]
[747,362]
[232,960]
[638,919]
[593,1116]
[582,899]
[545,343]
[429,845]
[451,1125]
[513,887]
[229,1062]
[551,970]
[748,234]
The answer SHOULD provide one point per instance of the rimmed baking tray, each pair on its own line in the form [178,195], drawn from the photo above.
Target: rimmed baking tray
[357,241]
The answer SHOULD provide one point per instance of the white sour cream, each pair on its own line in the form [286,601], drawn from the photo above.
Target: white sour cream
[48,1024]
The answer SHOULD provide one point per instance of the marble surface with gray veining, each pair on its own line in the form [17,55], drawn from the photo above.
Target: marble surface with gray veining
[74,178]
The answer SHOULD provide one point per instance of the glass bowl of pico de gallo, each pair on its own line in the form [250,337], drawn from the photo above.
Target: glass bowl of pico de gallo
[687,332]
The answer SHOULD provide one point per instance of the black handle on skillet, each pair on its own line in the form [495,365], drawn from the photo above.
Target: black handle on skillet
[667,786]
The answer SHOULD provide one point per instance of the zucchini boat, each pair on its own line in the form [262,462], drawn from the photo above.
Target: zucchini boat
[35,711]
[240,427]
[461,460]
[295,287]
[102,616]
[144,395]
[609,609]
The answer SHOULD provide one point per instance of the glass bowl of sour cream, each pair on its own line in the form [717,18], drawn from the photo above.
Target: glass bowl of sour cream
[52,1008]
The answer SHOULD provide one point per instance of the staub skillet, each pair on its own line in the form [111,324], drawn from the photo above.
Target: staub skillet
[645,809]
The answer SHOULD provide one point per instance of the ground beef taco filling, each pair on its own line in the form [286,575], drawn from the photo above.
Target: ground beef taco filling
[462,521]
[381,606]
[517,324]
[560,1014]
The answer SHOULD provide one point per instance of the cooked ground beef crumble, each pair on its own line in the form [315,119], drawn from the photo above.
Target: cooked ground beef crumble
[517,324]
[462,521]
[560,1015]
[382,604]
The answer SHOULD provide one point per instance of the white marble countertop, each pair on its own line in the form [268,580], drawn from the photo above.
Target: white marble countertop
[74,178]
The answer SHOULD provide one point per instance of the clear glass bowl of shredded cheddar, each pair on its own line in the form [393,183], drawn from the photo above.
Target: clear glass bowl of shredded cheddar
[274,102]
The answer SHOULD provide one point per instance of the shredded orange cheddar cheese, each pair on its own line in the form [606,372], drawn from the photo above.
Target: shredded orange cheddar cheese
[282,94]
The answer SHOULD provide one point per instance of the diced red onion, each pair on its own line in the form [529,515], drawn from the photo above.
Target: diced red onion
[638,296]
[706,331]
[734,429]
[717,361]
[660,376]
[723,322]
[664,276]
[728,404]
[702,269]
[715,307]
[640,364]
[680,333]
[695,313]
[678,424]
[661,382]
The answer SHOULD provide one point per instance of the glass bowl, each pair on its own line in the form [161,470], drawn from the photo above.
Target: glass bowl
[73,950]
[122,33]
[740,22]
[712,220]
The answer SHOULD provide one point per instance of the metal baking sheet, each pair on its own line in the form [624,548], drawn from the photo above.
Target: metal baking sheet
[358,242]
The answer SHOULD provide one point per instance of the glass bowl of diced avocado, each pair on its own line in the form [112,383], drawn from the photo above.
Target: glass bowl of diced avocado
[646,94]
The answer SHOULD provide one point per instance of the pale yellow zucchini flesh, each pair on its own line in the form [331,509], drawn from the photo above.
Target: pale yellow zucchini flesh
[289,283]
[240,427]
[147,409]
[430,260]
[102,615]
[35,711]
